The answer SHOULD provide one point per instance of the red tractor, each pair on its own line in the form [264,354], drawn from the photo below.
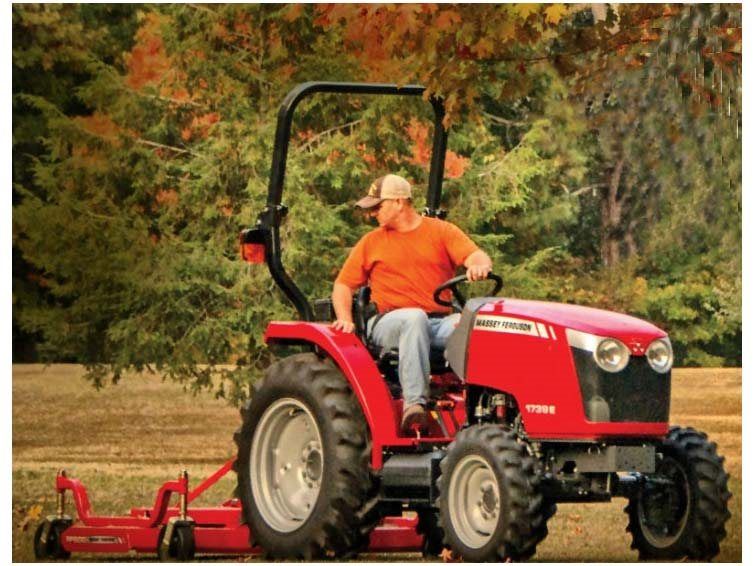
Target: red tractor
[533,403]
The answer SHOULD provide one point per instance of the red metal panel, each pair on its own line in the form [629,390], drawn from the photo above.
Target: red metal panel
[628,329]
[226,536]
[396,534]
[224,540]
[110,539]
[538,370]
[360,370]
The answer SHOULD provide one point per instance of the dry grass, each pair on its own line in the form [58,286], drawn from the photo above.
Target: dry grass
[124,441]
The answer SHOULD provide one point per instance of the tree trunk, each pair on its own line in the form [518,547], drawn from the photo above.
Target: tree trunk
[612,231]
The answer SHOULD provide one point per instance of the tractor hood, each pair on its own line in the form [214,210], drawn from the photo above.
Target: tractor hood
[628,329]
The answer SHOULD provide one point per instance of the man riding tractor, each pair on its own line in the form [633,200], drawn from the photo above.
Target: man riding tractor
[404,261]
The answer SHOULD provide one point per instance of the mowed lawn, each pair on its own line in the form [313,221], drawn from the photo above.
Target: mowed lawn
[125,440]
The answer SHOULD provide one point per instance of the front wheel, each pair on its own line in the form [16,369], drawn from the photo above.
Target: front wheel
[305,483]
[681,509]
[491,508]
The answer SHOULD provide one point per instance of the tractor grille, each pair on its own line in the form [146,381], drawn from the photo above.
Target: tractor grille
[635,394]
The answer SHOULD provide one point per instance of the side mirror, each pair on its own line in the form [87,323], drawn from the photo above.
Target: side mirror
[252,243]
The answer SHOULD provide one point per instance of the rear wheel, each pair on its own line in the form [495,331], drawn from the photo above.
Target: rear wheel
[681,509]
[305,482]
[491,508]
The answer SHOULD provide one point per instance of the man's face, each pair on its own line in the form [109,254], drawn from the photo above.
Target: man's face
[386,212]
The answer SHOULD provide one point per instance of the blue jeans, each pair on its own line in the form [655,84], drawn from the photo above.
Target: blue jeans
[413,333]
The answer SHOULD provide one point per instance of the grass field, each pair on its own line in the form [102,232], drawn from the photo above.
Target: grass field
[124,441]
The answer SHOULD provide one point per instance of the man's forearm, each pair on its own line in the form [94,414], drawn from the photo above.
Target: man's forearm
[342,298]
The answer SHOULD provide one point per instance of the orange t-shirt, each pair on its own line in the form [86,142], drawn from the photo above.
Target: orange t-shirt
[404,268]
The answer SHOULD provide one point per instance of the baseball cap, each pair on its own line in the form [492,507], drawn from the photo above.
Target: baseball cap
[388,186]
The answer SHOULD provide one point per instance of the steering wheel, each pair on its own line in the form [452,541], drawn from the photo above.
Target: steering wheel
[459,299]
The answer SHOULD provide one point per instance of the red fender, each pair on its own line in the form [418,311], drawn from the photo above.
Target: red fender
[351,356]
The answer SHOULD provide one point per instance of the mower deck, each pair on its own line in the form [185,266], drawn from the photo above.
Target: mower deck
[216,530]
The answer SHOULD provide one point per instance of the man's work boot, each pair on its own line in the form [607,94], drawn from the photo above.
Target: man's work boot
[414,419]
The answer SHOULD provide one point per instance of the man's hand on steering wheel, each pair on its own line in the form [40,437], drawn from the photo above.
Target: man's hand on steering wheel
[478,272]
[459,300]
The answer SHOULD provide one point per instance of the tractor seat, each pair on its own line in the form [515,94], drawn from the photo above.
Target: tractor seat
[387,361]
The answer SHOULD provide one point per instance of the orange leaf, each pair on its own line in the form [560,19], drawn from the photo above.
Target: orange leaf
[99,124]
[200,126]
[506,31]
[455,165]
[447,19]
[418,133]
[448,555]
[181,95]
[524,11]
[483,48]
[167,197]
[147,63]
[32,515]
[554,13]
[293,12]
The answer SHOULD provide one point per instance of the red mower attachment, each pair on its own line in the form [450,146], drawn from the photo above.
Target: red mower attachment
[175,533]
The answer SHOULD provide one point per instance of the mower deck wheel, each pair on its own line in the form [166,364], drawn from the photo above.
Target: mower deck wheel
[181,547]
[48,539]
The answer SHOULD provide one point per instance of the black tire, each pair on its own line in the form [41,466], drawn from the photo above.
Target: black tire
[687,517]
[40,546]
[48,540]
[181,547]
[185,546]
[344,510]
[428,526]
[517,519]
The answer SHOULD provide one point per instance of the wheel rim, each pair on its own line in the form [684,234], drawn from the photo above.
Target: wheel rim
[286,464]
[474,501]
[664,508]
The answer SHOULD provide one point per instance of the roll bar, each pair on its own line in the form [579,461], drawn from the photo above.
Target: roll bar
[269,220]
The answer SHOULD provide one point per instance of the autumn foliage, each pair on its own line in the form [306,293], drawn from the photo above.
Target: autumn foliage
[594,152]
[147,64]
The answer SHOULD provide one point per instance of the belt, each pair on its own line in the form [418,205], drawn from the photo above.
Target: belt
[429,314]
[438,314]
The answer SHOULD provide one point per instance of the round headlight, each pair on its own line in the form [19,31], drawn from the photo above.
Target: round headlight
[611,355]
[659,355]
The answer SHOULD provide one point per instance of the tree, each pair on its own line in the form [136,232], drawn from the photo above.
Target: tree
[150,147]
